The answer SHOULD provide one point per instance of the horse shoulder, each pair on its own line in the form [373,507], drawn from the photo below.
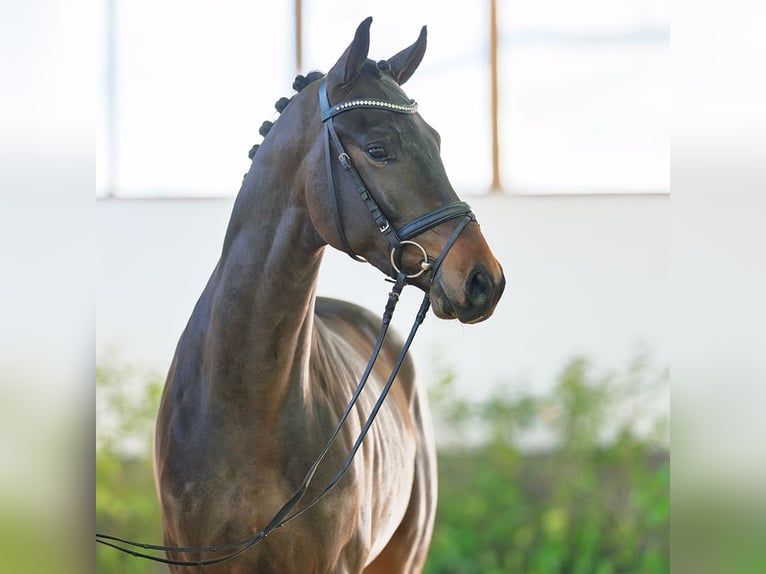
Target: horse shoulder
[360,327]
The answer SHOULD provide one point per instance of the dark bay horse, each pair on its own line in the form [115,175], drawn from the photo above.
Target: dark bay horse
[264,368]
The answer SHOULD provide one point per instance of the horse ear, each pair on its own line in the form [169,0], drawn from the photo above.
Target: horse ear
[348,67]
[404,64]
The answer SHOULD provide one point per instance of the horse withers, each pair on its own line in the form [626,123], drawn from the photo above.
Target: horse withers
[264,368]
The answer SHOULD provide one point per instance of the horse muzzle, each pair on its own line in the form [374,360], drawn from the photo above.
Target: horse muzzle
[474,302]
[464,281]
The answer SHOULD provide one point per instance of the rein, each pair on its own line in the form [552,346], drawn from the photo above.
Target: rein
[283,516]
[398,240]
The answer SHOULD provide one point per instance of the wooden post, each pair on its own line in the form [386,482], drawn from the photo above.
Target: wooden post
[112,124]
[298,37]
[496,185]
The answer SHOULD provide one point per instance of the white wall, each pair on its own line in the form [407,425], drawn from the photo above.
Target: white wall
[586,274]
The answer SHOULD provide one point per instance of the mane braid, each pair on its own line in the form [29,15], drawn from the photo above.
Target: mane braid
[299,83]
[370,67]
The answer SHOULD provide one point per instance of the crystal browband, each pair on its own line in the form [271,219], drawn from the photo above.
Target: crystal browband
[410,108]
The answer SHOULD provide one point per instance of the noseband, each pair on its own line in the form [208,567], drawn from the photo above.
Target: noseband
[398,239]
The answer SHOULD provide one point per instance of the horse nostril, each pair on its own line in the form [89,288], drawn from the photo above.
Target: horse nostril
[478,288]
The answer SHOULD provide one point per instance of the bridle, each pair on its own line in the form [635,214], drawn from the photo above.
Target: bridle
[397,239]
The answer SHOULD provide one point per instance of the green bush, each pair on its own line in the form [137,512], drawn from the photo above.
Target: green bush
[593,499]
[126,503]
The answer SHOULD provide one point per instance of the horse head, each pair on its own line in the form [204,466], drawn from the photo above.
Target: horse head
[392,154]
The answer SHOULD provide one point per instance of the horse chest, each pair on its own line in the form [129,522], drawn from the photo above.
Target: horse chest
[377,489]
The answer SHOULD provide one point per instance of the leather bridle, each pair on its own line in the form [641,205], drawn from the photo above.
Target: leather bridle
[397,240]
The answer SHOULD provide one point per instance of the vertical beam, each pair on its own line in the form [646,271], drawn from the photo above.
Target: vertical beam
[110,97]
[496,185]
[298,37]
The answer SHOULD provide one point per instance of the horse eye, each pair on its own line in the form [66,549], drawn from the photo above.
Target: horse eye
[377,152]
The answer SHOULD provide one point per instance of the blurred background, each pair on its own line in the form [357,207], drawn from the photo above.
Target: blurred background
[552,416]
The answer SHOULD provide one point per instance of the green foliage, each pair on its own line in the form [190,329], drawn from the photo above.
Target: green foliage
[594,500]
[126,503]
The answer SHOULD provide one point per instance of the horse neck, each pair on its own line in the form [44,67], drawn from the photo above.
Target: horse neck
[263,288]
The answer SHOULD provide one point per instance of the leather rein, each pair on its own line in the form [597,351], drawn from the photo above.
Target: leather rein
[397,239]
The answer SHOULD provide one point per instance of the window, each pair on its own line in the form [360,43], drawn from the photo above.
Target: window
[191,83]
[583,89]
[585,96]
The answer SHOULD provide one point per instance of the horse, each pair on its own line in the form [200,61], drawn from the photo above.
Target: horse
[264,367]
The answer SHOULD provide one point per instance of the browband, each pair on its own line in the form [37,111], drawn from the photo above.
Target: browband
[410,108]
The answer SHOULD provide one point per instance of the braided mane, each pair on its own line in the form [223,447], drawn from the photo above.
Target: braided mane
[301,81]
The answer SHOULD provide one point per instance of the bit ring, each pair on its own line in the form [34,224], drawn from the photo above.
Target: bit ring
[424,265]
